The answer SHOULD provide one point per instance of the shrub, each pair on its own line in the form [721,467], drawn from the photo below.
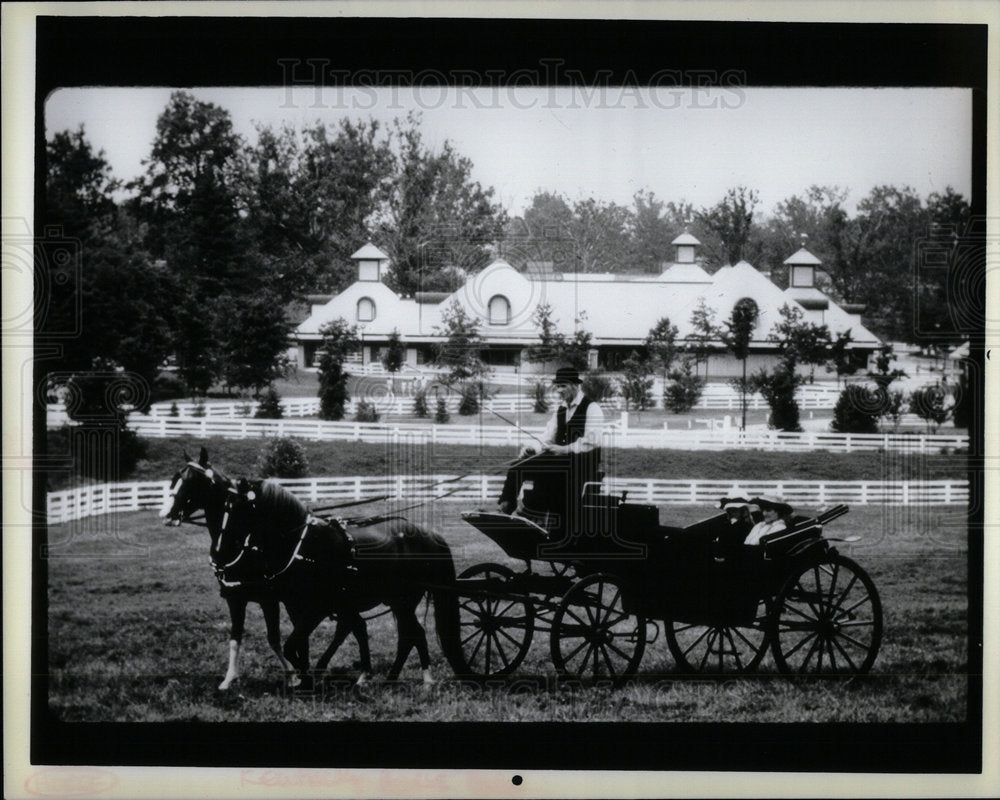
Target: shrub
[597,386]
[333,394]
[539,391]
[471,399]
[269,406]
[167,386]
[244,409]
[778,389]
[684,389]
[282,458]
[441,415]
[928,404]
[855,411]
[636,384]
[101,458]
[174,410]
[420,402]
[199,408]
[366,412]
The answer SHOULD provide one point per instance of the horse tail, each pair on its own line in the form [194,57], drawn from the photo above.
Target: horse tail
[446,617]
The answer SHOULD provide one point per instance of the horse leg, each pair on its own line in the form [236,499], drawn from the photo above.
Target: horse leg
[272,621]
[237,620]
[360,629]
[339,634]
[420,636]
[407,629]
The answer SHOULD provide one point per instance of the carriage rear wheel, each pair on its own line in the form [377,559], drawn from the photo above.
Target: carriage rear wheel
[593,636]
[496,631]
[719,649]
[827,619]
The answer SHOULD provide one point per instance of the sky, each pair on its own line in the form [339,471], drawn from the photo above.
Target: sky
[607,144]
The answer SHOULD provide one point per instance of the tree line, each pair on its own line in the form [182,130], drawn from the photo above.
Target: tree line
[204,258]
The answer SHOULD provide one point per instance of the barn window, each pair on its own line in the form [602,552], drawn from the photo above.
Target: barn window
[366,309]
[499,310]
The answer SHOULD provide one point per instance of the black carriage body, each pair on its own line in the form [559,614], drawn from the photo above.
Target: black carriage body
[701,573]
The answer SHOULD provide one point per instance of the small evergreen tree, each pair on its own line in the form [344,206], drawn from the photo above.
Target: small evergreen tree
[174,411]
[928,404]
[856,411]
[395,353]
[636,384]
[685,387]
[737,337]
[539,390]
[199,408]
[420,402]
[339,339]
[269,406]
[441,415]
[778,389]
[471,398]
[366,412]
[597,386]
[282,458]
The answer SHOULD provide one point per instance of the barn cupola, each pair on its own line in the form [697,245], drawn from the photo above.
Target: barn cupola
[371,262]
[802,268]
[685,244]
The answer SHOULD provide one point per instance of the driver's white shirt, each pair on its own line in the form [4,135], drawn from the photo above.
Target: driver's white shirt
[591,438]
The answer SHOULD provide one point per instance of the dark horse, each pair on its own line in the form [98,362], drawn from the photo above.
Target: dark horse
[197,487]
[321,568]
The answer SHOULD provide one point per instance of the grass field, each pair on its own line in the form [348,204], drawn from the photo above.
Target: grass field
[138,632]
[238,457]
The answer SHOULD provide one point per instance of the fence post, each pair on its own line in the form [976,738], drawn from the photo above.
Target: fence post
[864,494]
[906,493]
[947,492]
[135,497]
[357,488]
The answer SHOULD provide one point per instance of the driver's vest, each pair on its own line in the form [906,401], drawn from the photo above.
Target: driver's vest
[568,431]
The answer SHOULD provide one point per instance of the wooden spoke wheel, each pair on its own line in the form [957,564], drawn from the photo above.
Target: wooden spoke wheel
[719,649]
[496,631]
[827,619]
[593,637]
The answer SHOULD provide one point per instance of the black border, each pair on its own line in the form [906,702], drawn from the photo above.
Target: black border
[86,51]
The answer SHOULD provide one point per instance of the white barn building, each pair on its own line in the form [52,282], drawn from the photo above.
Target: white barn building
[618,310]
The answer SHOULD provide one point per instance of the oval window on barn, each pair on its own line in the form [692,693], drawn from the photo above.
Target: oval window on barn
[366,309]
[499,310]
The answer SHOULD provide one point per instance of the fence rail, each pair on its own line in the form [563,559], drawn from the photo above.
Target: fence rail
[86,501]
[617,434]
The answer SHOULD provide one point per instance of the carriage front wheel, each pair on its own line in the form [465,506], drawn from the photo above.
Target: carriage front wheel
[827,618]
[496,627]
[719,649]
[593,636]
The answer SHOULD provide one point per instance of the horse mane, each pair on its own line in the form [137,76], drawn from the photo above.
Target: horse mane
[284,513]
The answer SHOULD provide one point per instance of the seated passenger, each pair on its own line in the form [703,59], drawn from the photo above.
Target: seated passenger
[776,514]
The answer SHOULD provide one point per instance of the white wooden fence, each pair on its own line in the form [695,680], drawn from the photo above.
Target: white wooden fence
[70,504]
[617,434]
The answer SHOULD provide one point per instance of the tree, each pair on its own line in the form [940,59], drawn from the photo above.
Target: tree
[661,345]
[856,411]
[461,352]
[435,215]
[800,341]
[269,406]
[636,383]
[778,388]
[927,403]
[339,339]
[554,346]
[394,356]
[737,336]
[841,359]
[684,390]
[99,279]
[282,458]
[731,219]
[650,232]
[255,343]
[706,332]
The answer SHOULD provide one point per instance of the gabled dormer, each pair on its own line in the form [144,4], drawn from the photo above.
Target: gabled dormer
[371,262]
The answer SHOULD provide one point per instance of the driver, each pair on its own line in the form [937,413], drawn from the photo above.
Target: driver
[569,456]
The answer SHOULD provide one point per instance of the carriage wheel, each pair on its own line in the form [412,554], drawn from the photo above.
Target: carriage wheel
[827,619]
[593,636]
[721,649]
[496,632]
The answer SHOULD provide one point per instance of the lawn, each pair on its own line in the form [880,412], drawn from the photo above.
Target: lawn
[239,456]
[138,632]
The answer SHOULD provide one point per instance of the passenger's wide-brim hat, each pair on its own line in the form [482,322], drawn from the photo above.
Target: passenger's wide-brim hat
[566,375]
[737,499]
[773,503]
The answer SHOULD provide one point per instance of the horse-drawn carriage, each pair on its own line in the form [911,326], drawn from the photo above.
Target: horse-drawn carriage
[601,594]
